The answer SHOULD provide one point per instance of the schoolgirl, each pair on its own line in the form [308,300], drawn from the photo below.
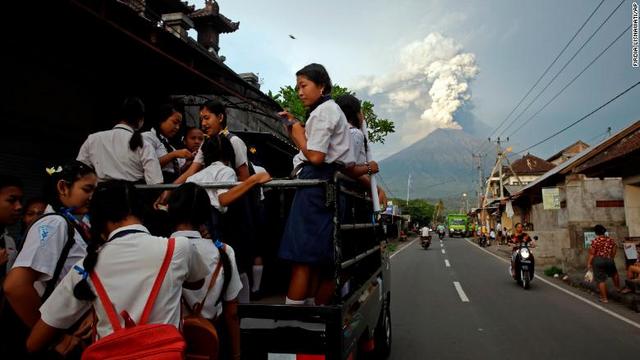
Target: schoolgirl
[189,209]
[352,109]
[53,244]
[126,259]
[120,153]
[166,125]
[324,143]
[218,155]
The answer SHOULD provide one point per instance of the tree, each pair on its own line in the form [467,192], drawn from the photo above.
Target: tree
[420,210]
[379,128]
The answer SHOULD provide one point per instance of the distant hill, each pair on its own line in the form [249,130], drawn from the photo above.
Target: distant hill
[441,167]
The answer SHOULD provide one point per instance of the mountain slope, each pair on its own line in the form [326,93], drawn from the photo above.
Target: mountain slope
[441,167]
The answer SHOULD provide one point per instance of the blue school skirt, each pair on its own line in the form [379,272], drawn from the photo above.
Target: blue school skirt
[308,234]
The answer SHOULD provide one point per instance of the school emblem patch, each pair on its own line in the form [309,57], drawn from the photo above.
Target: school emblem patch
[43,230]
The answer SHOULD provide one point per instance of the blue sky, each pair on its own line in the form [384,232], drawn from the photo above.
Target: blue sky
[484,56]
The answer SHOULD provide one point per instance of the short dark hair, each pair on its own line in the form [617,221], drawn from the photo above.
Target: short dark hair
[161,115]
[351,107]
[600,230]
[7,180]
[317,74]
[218,148]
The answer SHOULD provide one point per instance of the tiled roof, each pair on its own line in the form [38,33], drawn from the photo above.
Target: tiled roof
[530,164]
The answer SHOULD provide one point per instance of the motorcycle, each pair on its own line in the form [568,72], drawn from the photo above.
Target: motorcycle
[482,240]
[425,241]
[441,234]
[524,264]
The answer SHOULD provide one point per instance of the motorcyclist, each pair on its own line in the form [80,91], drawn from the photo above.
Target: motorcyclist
[440,229]
[518,237]
[424,232]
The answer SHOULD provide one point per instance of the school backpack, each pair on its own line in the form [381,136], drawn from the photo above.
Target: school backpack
[142,340]
[200,334]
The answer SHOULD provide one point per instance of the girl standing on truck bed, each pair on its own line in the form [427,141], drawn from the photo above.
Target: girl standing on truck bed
[324,143]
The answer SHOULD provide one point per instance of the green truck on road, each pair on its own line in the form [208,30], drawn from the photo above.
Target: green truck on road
[457,224]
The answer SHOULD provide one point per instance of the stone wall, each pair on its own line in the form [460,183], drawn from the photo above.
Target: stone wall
[561,232]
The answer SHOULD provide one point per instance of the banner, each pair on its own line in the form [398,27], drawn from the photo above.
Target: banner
[551,198]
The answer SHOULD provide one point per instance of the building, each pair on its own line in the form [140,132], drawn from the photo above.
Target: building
[596,186]
[568,152]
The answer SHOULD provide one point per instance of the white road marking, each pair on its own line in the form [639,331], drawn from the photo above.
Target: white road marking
[446,263]
[461,293]
[585,300]
[402,248]
[441,245]
[442,251]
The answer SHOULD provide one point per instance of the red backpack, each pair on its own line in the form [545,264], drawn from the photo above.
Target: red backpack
[142,340]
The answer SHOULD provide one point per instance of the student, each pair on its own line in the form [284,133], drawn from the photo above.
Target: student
[239,217]
[352,109]
[324,143]
[120,153]
[48,252]
[189,209]
[193,139]
[218,156]
[33,209]
[127,260]
[10,211]
[166,125]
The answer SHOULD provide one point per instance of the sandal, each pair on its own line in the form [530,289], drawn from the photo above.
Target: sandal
[604,301]
[624,291]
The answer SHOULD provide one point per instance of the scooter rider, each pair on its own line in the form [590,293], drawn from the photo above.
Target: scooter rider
[518,237]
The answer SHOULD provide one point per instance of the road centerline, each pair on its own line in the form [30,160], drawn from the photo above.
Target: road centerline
[463,296]
[446,263]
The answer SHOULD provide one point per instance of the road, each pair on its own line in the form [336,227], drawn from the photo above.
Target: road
[487,316]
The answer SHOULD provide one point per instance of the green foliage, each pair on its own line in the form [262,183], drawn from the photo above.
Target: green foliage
[552,271]
[379,128]
[421,211]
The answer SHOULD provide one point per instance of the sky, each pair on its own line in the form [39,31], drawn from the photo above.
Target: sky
[428,64]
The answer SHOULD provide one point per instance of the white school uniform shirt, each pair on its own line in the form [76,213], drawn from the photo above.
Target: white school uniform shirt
[259,169]
[127,267]
[109,154]
[357,145]
[211,257]
[153,138]
[216,172]
[239,149]
[327,131]
[43,246]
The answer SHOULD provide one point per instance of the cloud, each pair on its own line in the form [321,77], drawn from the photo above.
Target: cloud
[429,84]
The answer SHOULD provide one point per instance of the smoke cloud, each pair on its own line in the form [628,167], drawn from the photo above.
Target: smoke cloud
[429,85]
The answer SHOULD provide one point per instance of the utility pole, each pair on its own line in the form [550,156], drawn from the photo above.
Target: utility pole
[500,155]
[408,187]
[478,159]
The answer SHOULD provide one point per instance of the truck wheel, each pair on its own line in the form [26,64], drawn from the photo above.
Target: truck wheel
[382,333]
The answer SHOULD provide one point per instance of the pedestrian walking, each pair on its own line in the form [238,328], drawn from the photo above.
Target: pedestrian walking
[601,255]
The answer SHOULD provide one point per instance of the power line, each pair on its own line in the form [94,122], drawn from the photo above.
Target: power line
[548,68]
[571,82]
[581,119]
[563,67]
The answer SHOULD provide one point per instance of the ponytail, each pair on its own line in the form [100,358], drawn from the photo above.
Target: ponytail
[227,269]
[82,291]
[132,113]
[136,140]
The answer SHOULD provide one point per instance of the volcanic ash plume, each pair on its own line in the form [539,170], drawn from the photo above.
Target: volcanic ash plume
[429,86]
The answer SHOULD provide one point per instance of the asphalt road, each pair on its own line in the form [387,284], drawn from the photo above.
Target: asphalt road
[500,320]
